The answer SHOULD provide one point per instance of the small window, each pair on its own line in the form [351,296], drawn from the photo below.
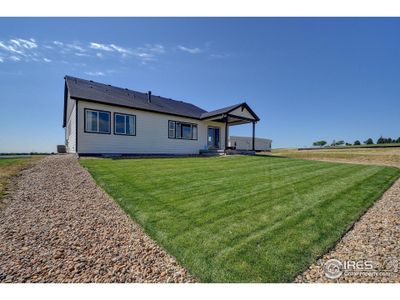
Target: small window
[171,129]
[124,124]
[180,130]
[97,121]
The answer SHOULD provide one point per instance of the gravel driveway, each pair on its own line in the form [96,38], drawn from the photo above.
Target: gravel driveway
[59,226]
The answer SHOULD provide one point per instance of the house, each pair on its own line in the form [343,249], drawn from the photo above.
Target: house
[104,119]
[246,143]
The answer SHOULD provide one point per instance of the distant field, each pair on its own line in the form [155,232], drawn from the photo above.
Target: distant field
[12,166]
[242,218]
[378,156]
[394,145]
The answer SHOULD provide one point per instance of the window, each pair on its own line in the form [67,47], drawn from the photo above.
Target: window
[97,121]
[124,124]
[180,130]
[171,129]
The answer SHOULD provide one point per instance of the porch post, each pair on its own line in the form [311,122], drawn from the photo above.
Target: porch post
[254,137]
[226,133]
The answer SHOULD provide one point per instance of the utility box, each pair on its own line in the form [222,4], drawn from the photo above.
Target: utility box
[61,149]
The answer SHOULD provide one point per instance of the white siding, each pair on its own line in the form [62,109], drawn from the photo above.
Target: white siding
[245,113]
[151,134]
[70,128]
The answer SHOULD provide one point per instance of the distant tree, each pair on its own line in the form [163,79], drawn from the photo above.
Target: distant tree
[381,140]
[339,143]
[348,144]
[319,143]
[357,143]
[369,141]
[398,140]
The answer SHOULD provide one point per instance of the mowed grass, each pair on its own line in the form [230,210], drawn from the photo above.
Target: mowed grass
[242,218]
[12,166]
[385,156]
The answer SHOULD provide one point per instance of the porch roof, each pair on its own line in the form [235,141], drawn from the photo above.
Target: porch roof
[233,115]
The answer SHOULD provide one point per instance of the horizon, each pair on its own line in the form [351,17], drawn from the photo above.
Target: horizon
[308,79]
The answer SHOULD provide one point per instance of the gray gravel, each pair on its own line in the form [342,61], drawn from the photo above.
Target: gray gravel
[374,238]
[59,226]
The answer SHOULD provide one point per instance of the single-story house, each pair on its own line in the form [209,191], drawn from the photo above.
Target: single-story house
[246,143]
[104,119]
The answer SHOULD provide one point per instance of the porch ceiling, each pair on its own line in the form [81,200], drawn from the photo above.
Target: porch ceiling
[231,119]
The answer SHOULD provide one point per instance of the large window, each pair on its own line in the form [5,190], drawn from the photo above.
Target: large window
[97,121]
[124,124]
[180,130]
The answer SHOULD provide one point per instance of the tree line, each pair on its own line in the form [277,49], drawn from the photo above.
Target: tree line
[368,141]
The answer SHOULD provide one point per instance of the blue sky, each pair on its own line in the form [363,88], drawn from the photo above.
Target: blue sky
[306,78]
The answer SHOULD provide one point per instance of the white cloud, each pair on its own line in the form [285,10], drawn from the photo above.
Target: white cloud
[190,50]
[10,48]
[98,46]
[76,47]
[97,73]
[14,58]
[123,51]
[1,59]
[157,48]
[19,49]
[29,50]
[22,43]
[81,54]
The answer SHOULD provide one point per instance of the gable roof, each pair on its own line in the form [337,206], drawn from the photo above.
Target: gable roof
[228,109]
[88,90]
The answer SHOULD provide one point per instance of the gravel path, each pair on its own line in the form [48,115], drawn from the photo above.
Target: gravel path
[59,226]
[373,241]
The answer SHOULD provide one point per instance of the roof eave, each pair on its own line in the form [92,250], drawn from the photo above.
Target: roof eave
[137,108]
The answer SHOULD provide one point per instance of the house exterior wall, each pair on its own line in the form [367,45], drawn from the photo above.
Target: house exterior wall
[151,134]
[70,128]
[245,143]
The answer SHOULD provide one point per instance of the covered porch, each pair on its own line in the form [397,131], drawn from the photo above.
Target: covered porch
[231,116]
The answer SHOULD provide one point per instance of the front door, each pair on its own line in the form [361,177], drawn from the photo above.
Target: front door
[213,140]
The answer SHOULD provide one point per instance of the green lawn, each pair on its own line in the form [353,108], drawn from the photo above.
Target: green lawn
[242,218]
[12,166]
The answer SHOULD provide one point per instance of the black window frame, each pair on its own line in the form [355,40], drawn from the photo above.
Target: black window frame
[183,123]
[115,127]
[96,110]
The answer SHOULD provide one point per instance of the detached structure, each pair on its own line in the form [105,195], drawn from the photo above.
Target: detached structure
[103,119]
[245,143]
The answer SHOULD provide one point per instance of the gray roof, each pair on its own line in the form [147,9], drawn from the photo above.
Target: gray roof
[89,90]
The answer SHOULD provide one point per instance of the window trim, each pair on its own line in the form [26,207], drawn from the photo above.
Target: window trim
[185,123]
[96,110]
[123,114]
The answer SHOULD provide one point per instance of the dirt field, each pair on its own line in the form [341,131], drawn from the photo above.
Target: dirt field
[376,156]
